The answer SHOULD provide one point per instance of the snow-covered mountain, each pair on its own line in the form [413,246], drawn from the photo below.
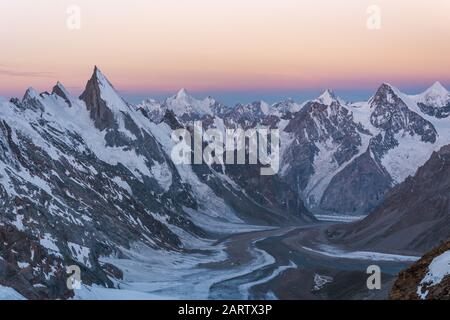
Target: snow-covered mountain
[397,139]
[183,105]
[90,178]
[341,158]
[328,97]
[435,101]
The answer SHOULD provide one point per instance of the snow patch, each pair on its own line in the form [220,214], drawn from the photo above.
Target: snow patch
[7,293]
[360,255]
[438,269]
[162,174]
[48,242]
[80,253]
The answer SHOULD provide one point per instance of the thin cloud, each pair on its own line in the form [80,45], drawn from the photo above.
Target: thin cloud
[15,73]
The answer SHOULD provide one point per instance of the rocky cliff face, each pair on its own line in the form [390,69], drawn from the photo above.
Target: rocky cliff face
[392,115]
[100,112]
[358,188]
[325,139]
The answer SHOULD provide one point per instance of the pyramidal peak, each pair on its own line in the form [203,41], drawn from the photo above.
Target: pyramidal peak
[102,100]
[386,93]
[33,99]
[386,88]
[182,93]
[436,95]
[101,78]
[184,103]
[100,87]
[59,88]
[437,88]
[182,96]
[185,96]
[31,93]
[62,92]
[328,97]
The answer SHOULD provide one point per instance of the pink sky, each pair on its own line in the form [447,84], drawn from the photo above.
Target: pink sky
[162,45]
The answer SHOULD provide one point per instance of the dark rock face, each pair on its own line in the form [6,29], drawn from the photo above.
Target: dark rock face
[317,126]
[60,91]
[246,116]
[26,266]
[103,116]
[410,280]
[414,217]
[318,122]
[171,119]
[358,188]
[392,116]
[438,112]
[257,199]
[31,100]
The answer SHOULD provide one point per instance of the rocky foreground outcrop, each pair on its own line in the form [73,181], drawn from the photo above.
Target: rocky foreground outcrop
[428,278]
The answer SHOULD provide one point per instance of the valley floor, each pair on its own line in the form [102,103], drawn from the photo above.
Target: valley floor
[282,263]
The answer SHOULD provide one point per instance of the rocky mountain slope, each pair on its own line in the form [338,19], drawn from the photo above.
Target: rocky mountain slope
[414,217]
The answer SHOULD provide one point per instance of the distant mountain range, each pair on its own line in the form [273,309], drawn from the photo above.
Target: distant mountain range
[341,158]
[86,178]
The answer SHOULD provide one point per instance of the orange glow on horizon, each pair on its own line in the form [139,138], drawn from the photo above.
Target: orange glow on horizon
[162,45]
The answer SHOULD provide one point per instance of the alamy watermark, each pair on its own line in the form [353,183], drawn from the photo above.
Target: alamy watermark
[374,280]
[229,146]
[74,280]
[73,21]
[374,18]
